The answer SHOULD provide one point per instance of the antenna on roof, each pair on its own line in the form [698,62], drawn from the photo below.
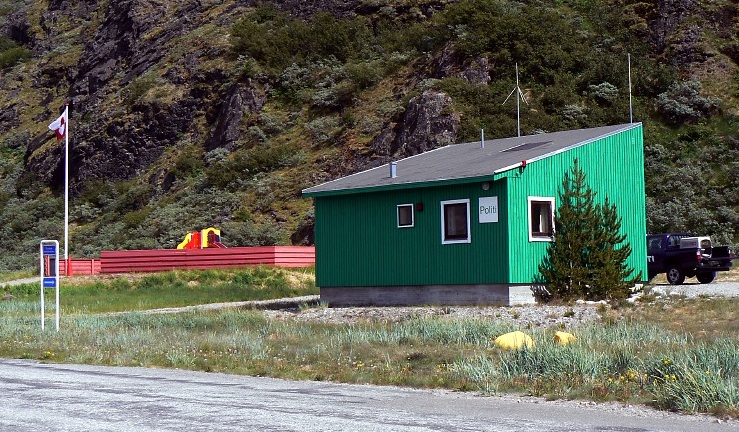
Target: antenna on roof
[519,93]
[631,112]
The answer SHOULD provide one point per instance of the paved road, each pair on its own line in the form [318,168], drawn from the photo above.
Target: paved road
[51,397]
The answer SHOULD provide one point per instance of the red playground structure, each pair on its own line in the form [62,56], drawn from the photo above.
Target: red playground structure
[207,238]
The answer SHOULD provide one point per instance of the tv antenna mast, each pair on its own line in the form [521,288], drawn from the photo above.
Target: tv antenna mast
[519,94]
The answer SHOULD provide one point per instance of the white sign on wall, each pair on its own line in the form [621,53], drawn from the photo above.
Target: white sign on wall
[488,209]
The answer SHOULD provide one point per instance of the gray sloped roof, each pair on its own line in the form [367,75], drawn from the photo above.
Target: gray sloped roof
[468,160]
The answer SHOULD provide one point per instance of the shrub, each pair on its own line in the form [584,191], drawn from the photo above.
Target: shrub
[683,102]
[12,54]
[188,163]
[272,123]
[574,113]
[17,139]
[84,212]
[604,92]
[257,134]
[217,155]
[323,129]
[140,86]
[250,234]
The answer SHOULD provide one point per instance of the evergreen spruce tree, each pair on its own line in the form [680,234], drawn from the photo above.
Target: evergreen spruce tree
[611,276]
[584,260]
[565,269]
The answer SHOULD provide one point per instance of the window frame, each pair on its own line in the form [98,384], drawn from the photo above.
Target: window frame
[413,215]
[468,239]
[530,222]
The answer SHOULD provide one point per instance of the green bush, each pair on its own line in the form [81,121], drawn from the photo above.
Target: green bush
[12,54]
[323,129]
[140,86]
[188,163]
[683,102]
[250,234]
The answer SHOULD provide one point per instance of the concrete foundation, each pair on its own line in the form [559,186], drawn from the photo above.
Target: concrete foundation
[448,295]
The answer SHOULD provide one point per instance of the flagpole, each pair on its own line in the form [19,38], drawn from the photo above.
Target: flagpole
[66,191]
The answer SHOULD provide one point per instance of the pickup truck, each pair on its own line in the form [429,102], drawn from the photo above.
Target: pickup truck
[682,255]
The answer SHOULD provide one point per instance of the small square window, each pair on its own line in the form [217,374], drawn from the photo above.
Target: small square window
[541,218]
[455,221]
[405,215]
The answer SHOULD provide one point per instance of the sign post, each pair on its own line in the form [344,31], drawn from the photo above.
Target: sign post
[49,269]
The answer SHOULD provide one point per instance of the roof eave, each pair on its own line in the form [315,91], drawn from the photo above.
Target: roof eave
[398,186]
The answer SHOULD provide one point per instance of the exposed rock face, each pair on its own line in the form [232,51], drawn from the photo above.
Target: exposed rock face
[119,46]
[428,123]
[112,47]
[227,128]
[110,144]
[476,71]
[676,34]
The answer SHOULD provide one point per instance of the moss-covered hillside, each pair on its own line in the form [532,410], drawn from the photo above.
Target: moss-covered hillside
[195,113]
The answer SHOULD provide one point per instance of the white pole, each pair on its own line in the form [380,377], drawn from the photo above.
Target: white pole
[66,200]
[518,103]
[482,138]
[56,275]
[41,267]
[631,112]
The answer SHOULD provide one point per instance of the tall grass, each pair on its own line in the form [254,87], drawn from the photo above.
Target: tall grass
[624,361]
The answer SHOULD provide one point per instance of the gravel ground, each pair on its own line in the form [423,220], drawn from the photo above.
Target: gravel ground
[692,290]
[525,316]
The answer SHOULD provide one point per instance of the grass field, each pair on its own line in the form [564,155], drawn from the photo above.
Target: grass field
[676,354]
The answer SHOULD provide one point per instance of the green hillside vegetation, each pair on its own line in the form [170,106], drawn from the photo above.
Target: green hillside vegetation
[150,161]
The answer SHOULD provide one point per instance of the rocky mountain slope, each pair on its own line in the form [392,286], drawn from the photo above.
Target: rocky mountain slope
[196,113]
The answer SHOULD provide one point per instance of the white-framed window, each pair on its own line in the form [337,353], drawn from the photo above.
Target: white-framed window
[455,221]
[405,216]
[541,218]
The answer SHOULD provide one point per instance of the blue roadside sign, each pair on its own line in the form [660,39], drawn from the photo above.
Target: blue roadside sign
[49,282]
[50,249]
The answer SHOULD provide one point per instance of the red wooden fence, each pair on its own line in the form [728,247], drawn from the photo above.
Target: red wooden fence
[80,267]
[170,259]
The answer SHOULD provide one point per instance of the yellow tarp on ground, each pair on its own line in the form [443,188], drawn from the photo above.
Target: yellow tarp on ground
[514,340]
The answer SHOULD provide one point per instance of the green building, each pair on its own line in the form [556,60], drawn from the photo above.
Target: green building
[467,223]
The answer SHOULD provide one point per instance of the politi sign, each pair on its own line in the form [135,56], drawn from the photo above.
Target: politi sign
[487,209]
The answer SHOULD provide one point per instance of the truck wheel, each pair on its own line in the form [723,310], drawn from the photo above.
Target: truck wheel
[705,277]
[675,275]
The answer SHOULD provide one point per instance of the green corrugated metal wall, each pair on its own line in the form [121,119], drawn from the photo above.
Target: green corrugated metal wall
[358,242]
[614,166]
